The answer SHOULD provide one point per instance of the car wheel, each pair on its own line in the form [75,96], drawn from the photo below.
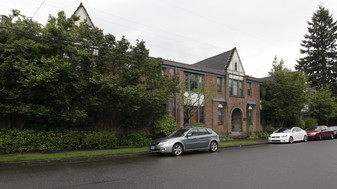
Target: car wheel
[291,140]
[177,149]
[213,147]
[319,137]
[305,138]
[331,136]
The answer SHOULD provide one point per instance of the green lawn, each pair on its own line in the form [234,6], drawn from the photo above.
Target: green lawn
[62,155]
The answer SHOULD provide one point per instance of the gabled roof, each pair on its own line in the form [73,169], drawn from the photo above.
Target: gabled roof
[218,62]
[192,68]
[77,12]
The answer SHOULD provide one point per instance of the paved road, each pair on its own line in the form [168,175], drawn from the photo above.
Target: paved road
[300,165]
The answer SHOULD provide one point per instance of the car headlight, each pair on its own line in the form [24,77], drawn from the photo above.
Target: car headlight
[163,143]
[284,135]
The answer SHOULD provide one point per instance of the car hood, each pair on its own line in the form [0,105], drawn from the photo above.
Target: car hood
[312,132]
[279,134]
[156,141]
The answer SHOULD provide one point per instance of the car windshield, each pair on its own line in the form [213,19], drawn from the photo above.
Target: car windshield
[283,130]
[313,129]
[178,133]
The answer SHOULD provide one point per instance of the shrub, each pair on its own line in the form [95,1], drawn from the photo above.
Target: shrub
[99,139]
[300,123]
[262,134]
[309,122]
[15,140]
[134,139]
[269,129]
[164,126]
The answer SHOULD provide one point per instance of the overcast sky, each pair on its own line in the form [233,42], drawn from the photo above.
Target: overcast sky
[189,31]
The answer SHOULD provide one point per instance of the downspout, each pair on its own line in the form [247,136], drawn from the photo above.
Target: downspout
[176,98]
[227,97]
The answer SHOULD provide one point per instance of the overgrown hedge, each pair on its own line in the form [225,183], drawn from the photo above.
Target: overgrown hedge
[15,140]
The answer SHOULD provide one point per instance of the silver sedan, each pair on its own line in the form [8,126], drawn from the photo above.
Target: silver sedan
[187,139]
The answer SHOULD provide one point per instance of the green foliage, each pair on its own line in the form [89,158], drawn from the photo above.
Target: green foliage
[319,48]
[262,134]
[16,140]
[284,96]
[269,129]
[164,126]
[299,123]
[323,106]
[310,121]
[54,75]
[198,124]
[134,139]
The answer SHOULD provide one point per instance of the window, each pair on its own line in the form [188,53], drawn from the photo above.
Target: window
[236,87]
[250,115]
[203,132]
[193,81]
[194,132]
[236,66]
[219,82]
[220,114]
[194,114]
[249,89]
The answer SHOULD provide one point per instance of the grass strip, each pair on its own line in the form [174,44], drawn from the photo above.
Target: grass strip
[62,155]
[237,143]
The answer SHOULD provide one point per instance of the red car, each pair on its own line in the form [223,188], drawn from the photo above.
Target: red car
[320,132]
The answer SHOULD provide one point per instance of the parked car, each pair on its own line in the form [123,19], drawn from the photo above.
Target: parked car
[320,132]
[187,139]
[334,128]
[289,135]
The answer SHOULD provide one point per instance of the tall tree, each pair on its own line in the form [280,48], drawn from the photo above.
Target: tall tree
[284,96]
[323,106]
[319,48]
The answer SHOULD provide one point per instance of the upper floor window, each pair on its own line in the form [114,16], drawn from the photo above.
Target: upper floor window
[249,89]
[193,81]
[219,84]
[236,66]
[236,87]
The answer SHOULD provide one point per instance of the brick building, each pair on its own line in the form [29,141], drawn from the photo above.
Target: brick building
[231,103]
[232,108]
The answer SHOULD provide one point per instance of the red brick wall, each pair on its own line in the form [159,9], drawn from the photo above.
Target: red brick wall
[211,107]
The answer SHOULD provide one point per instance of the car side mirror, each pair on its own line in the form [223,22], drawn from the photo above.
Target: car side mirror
[188,135]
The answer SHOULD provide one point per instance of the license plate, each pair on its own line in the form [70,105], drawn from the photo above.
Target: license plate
[152,147]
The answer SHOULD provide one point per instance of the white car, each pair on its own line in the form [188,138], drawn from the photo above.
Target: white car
[288,135]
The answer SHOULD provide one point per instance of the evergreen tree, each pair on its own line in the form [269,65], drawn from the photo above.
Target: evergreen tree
[284,96]
[319,48]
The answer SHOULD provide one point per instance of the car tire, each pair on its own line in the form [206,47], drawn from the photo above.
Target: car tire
[177,149]
[319,137]
[213,147]
[291,140]
[332,136]
[305,138]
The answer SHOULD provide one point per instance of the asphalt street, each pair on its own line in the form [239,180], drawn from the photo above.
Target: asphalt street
[306,165]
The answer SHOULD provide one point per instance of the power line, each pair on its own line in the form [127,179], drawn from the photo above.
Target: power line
[38,8]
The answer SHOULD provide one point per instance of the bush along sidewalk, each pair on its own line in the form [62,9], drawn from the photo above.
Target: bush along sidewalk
[16,140]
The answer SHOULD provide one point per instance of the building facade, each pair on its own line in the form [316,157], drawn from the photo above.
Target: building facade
[228,100]
[215,92]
